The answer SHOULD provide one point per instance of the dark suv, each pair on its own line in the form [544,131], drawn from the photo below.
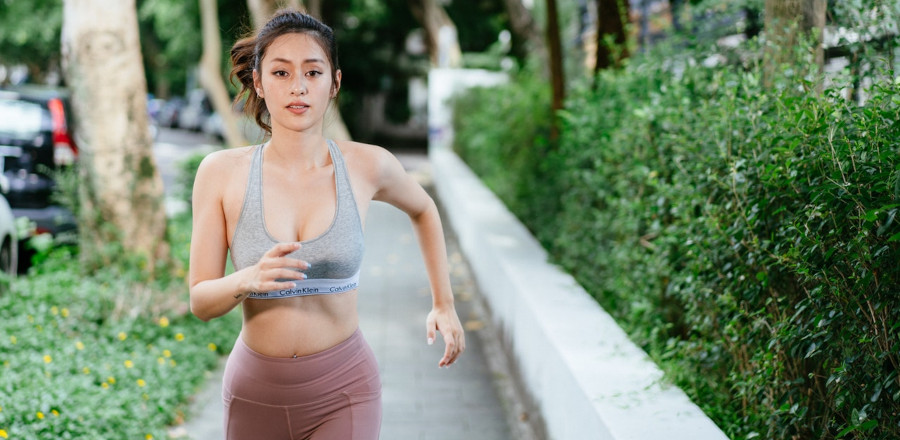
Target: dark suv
[35,139]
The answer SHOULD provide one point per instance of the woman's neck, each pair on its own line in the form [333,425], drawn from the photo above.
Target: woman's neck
[301,150]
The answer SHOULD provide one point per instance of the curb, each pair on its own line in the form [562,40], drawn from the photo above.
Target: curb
[576,365]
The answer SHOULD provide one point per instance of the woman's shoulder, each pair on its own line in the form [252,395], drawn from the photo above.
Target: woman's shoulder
[358,152]
[222,164]
[227,158]
[374,162]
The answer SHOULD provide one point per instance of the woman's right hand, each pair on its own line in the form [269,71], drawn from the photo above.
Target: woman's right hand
[273,268]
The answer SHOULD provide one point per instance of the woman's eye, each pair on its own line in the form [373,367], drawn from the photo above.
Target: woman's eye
[279,73]
[313,73]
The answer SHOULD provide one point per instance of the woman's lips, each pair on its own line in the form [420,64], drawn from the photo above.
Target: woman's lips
[298,108]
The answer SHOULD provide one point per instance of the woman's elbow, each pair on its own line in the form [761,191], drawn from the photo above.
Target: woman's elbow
[199,311]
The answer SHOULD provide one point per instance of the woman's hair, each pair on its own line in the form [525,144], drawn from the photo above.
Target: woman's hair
[247,55]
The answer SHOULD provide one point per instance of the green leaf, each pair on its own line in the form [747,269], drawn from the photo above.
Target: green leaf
[869,425]
[846,431]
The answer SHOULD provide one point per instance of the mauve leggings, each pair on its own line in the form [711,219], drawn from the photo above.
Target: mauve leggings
[331,395]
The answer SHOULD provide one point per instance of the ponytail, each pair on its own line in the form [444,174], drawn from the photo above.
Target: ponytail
[244,62]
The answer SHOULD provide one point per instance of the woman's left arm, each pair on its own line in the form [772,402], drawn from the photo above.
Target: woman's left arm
[396,187]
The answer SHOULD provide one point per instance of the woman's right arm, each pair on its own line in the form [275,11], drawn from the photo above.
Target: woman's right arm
[214,294]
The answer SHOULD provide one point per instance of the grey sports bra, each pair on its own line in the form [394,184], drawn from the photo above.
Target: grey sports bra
[335,256]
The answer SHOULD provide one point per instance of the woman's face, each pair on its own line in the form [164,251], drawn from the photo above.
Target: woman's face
[294,78]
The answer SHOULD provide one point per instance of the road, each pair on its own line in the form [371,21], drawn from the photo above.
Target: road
[172,146]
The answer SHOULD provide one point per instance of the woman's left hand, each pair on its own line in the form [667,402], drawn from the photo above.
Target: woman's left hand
[447,322]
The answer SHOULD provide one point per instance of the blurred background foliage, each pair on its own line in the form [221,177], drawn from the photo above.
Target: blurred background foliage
[372,38]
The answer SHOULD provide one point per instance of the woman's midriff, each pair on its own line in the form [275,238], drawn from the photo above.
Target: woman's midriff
[299,326]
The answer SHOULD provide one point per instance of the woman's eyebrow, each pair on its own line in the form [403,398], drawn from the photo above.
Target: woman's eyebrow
[282,60]
[306,61]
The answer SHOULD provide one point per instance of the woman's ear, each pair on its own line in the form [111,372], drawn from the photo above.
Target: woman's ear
[257,84]
[336,87]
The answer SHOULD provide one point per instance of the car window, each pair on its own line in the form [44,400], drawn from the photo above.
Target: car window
[20,119]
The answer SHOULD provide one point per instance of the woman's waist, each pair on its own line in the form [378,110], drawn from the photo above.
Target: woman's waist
[294,327]
[350,366]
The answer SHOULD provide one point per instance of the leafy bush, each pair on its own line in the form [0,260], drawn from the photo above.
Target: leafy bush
[103,355]
[503,133]
[746,237]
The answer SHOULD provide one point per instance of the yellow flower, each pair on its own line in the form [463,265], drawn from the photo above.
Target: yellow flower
[65,312]
[122,336]
[141,383]
[161,361]
[129,364]
[54,310]
[172,362]
[55,412]
[104,385]
[40,415]
[47,359]
[111,380]
[179,337]
[13,339]
[167,353]
[148,437]
[211,346]
[3,433]
[79,345]
[86,370]
[163,322]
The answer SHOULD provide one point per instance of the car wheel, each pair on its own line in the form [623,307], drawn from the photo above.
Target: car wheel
[7,265]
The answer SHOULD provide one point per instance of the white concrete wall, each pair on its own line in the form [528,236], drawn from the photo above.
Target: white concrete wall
[587,378]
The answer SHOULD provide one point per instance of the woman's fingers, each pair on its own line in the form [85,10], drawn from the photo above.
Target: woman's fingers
[281,249]
[276,271]
[447,323]
[454,345]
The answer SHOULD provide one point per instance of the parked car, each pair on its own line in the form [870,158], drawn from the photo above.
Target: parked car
[170,112]
[9,244]
[35,140]
[213,126]
[195,111]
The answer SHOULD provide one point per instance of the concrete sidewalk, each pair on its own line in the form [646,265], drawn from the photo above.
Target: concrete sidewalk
[421,401]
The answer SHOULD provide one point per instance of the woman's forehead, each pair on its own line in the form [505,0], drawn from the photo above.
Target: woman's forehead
[295,48]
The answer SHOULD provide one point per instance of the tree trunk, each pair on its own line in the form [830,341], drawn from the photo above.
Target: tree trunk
[557,76]
[787,23]
[262,10]
[210,73]
[441,35]
[314,8]
[610,23]
[121,191]
[524,27]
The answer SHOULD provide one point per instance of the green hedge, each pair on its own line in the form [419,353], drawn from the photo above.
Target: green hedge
[105,355]
[748,238]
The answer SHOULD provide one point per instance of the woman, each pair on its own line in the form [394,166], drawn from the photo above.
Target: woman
[300,367]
